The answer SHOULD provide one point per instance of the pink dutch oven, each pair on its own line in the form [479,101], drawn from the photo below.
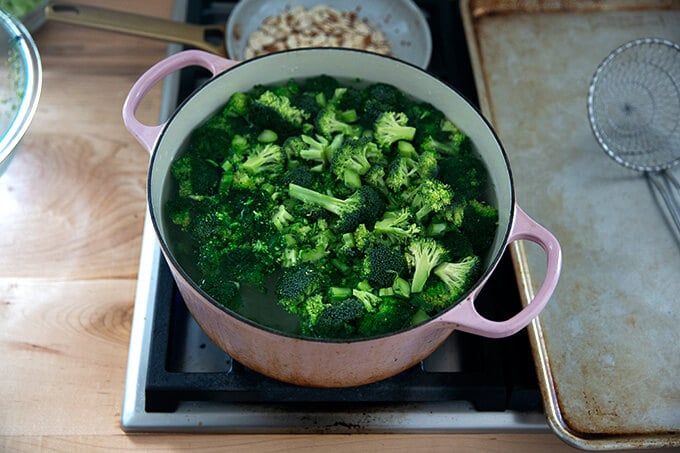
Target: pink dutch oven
[330,363]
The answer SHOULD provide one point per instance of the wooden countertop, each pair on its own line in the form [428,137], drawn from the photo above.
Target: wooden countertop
[72,207]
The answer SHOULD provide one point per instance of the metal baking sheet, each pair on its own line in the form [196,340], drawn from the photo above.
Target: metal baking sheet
[607,346]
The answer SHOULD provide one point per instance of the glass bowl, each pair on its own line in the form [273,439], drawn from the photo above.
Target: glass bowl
[20,85]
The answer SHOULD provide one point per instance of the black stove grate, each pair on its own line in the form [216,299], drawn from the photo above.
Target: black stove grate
[493,375]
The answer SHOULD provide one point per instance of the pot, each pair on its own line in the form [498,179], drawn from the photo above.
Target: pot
[332,363]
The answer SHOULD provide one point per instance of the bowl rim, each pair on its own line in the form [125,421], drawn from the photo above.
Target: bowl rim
[238,16]
[32,65]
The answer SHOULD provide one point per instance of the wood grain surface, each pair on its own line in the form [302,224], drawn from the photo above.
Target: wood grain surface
[71,215]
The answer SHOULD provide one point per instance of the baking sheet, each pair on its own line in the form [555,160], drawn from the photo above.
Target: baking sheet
[607,346]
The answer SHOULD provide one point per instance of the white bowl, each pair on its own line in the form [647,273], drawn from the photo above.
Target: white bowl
[401,21]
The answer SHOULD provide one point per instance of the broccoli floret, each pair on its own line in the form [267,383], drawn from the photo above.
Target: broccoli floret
[480,222]
[292,147]
[363,206]
[423,255]
[433,145]
[431,196]
[296,285]
[375,176]
[196,175]
[328,123]
[369,300]
[245,264]
[434,298]
[271,111]
[382,264]
[301,175]
[399,173]
[391,127]
[397,226]
[459,276]
[324,84]
[225,292]
[269,159]
[339,320]
[281,218]
[237,105]
[350,161]
[319,149]
[392,315]
[466,172]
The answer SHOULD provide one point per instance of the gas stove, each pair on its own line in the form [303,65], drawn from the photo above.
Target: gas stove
[178,381]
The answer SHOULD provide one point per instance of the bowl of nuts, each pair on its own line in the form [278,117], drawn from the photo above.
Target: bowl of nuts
[388,27]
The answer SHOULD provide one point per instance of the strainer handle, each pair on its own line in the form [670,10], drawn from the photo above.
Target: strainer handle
[147,135]
[466,317]
[668,187]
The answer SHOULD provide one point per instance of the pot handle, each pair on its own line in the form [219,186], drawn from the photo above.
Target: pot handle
[147,135]
[466,317]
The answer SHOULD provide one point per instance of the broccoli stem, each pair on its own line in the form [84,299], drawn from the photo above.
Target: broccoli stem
[332,204]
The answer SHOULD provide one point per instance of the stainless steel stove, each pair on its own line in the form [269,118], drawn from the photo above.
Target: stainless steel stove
[178,381]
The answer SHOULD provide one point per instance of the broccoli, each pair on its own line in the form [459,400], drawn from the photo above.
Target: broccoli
[196,176]
[296,285]
[399,173]
[392,315]
[466,172]
[269,159]
[364,206]
[350,161]
[329,124]
[237,105]
[339,320]
[460,276]
[431,196]
[369,300]
[382,264]
[423,255]
[392,126]
[361,210]
[480,222]
[225,292]
[397,226]
[272,111]
[434,298]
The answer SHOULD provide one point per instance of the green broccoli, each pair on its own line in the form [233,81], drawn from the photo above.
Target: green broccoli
[364,206]
[339,320]
[269,159]
[350,161]
[397,226]
[480,222]
[391,127]
[364,209]
[458,277]
[392,315]
[431,196]
[329,124]
[423,255]
[272,111]
[237,105]
[296,285]
[382,264]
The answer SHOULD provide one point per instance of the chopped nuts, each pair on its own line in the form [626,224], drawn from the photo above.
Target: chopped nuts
[319,26]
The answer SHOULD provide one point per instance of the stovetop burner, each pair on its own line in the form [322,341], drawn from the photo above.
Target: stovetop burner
[178,380]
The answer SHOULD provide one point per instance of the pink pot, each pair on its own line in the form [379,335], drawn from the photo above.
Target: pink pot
[321,363]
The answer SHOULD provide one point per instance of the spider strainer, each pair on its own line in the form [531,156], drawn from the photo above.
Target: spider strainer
[634,112]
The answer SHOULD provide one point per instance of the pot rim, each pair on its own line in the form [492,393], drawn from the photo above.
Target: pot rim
[465,298]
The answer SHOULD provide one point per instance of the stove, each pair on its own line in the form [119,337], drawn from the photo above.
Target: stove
[177,380]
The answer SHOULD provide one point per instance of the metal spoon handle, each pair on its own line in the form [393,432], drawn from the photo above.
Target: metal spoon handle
[138,25]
